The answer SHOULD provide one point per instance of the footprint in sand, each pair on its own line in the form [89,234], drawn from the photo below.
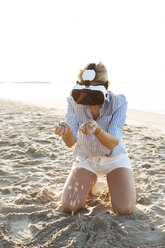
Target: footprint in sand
[19,228]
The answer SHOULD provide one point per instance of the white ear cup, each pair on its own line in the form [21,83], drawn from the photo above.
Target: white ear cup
[88,75]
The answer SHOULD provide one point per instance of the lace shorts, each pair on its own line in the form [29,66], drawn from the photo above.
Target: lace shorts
[101,164]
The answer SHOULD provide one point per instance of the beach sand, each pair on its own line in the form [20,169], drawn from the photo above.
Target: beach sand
[34,164]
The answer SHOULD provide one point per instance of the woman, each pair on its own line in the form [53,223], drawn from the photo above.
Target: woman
[95,128]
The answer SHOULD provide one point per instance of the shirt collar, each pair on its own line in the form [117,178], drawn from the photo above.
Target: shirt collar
[108,98]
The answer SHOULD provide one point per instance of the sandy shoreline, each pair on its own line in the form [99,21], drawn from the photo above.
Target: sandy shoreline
[34,165]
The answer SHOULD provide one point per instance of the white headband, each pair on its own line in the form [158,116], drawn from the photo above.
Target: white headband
[92,88]
[88,75]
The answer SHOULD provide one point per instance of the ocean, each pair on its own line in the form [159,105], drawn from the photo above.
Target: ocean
[145,97]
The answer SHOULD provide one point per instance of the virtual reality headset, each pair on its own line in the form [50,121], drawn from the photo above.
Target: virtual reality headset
[89,95]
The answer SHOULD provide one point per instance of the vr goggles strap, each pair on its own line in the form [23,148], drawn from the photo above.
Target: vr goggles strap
[87,83]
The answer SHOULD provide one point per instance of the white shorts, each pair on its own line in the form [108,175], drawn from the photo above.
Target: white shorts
[102,165]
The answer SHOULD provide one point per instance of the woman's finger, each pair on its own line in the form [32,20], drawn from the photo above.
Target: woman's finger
[69,129]
[82,128]
[57,129]
[61,132]
[65,130]
[87,129]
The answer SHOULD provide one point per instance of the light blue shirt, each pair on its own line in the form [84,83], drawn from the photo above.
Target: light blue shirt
[111,120]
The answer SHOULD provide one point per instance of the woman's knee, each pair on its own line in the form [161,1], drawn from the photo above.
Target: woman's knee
[123,209]
[71,206]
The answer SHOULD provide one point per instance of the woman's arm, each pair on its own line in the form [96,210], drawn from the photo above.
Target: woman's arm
[106,139]
[69,139]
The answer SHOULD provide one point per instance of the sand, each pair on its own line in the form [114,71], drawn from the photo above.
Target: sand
[34,164]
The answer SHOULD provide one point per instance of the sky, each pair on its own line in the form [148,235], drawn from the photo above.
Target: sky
[50,40]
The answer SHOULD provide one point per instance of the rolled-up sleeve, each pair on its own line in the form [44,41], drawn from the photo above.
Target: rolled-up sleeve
[118,120]
[71,117]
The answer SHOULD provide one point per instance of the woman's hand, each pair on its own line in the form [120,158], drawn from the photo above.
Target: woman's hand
[62,129]
[90,127]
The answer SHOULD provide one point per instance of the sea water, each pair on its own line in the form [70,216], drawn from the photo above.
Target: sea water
[142,96]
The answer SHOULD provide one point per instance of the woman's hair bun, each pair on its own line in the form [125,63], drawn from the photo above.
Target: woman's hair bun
[91,66]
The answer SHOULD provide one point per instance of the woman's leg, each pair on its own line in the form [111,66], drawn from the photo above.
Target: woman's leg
[77,187]
[122,190]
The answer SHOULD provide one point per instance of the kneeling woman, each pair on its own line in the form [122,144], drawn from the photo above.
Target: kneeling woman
[94,124]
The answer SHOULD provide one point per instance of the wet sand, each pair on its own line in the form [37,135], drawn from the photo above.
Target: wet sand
[34,164]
